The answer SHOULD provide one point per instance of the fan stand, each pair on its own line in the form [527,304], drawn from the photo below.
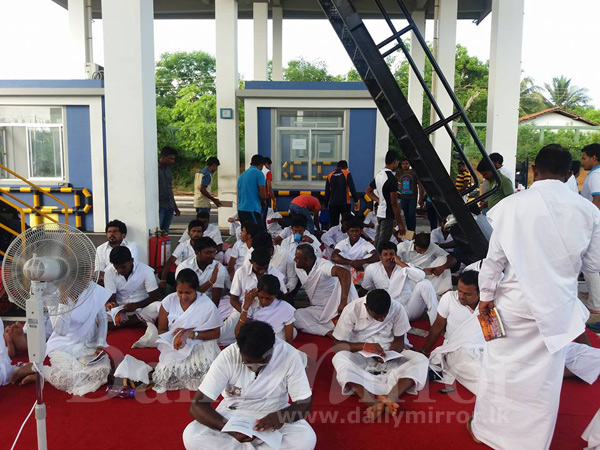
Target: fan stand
[36,347]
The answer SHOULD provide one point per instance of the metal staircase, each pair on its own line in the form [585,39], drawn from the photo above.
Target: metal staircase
[413,139]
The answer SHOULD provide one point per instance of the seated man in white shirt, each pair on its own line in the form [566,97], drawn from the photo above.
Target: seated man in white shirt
[336,234]
[212,276]
[116,231]
[404,283]
[459,357]
[442,237]
[274,221]
[133,287]
[370,330]
[240,248]
[435,262]
[210,230]
[300,235]
[245,279]
[257,377]
[280,259]
[354,253]
[329,289]
[183,251]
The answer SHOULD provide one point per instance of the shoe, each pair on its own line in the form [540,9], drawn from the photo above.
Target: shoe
[595,327]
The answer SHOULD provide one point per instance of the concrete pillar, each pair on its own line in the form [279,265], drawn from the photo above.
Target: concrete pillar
[415,90]
[382,143]
[131,153]
[260,17]
[505,80]
[79,30]
[446,50]
[277,14]
[226,14]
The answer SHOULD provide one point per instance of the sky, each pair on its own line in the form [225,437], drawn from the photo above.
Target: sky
[558,40]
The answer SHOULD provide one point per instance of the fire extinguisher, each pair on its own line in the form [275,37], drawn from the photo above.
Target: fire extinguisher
[160,249]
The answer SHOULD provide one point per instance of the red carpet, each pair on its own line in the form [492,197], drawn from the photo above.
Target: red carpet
[430,420]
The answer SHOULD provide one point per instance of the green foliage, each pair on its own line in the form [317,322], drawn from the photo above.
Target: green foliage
[531,98]
[303,70]
[175,71]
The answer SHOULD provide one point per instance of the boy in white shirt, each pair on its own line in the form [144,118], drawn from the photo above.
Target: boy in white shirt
[183,251]
[300,236]
[116,232]
[240,248]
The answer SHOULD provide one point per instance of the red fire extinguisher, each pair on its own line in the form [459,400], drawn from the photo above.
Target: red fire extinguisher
[160,250]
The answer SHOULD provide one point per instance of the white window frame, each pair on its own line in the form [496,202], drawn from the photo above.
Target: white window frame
[276,150]
[32,125]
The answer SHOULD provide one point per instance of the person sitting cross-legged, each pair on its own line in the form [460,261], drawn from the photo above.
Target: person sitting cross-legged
[336,234]
[435,262]
[133,287]
[355,253]
[403,282]
[260,377]
[370,360]
[329,289]
[300,235]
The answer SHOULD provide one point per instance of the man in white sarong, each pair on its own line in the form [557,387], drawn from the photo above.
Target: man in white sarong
[257,376]
[329,289]
[280,259]
[300,236]
[245,279]
[354,252]
[543,237]
[183,251]
[212,276]
[404,283]
[116,231]
[336,234]
[368,330]
[133,288]
[435,262]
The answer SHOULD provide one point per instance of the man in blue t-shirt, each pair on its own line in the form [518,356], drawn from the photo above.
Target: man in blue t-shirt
[251,192]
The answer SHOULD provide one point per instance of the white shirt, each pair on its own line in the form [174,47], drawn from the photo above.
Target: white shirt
[290,245]
[136,288]
[370,218]
[212,231]
[356,325]
[591,186]
[326,282]
[407,253]
[376,277]
[103,254]
[183,251]
[573,185]
[437,236]
[278,314]
[273,227]
[334,235]
[206,274]
[282,261]
[453,311]
[239,251]
[266,392]
[245,280]
[380,179]
[361,250]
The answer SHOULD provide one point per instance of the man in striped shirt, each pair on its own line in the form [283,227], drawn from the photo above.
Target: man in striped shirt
[463,178]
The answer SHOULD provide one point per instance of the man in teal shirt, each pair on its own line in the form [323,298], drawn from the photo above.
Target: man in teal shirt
[251,192]
[506,186]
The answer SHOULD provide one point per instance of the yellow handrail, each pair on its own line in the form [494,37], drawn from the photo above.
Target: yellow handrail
[33,208]
[66,208]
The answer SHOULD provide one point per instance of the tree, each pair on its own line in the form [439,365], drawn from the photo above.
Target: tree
[302,70]
[175,71]
[562,94]
[531,98]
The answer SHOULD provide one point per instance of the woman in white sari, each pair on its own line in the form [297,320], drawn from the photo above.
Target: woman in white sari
[264,303]
[75,348]
[193,322]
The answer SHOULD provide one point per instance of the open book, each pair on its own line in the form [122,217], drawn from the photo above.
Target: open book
[117,314]
[91,360]
[245,425]
[389,355]
[170,339]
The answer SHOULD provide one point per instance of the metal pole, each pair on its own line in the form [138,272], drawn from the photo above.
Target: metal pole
[40,413]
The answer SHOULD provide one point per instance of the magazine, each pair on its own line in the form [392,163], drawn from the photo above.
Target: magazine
[493,329]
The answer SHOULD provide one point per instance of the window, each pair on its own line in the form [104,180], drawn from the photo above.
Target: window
[32,142]
[309,143]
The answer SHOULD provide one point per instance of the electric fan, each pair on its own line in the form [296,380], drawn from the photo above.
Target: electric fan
[46,271]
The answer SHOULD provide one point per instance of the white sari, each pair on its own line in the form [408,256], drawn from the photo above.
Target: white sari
[76,336]
[185,368]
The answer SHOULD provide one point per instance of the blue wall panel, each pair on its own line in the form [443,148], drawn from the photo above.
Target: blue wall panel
[80,152]
[264,132]
[363,125]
